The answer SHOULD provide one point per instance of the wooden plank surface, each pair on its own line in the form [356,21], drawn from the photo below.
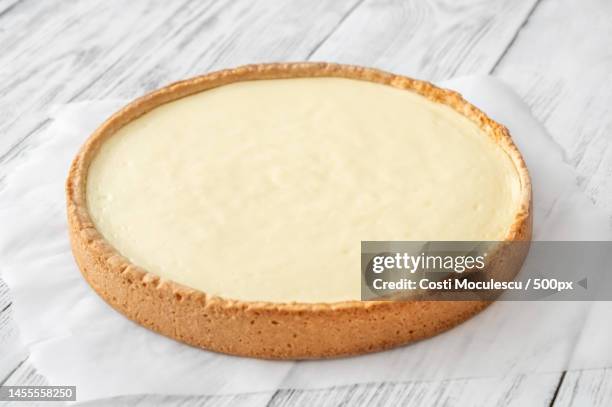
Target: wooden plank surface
[570,92]
[432,40]
[57,52]
[513,391]
[95,50]
[12,351]
[561,64]
[586,388]
[516,391]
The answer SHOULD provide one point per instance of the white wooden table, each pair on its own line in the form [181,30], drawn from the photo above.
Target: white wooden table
[557,54]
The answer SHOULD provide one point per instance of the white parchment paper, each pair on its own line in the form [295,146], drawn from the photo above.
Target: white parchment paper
[74,338]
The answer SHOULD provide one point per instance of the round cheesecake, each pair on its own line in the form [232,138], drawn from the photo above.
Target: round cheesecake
[227,211]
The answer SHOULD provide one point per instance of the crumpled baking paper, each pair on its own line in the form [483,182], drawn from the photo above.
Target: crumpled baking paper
[74,338]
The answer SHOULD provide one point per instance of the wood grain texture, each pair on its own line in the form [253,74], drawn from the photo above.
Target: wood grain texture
[25,374]
[562,67]
[513,391]
[432,40]
[585,388]
[240,400]
[5,297]
[94,50]
[12,351]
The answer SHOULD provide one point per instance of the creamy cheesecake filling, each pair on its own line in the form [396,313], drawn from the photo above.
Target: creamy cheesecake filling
[263,190]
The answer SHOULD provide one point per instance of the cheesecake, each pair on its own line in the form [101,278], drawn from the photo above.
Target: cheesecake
[227,211]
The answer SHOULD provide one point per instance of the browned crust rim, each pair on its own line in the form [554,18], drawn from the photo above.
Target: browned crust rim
[91,249]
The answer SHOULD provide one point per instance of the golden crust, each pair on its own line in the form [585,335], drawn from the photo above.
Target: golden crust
[263,329]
